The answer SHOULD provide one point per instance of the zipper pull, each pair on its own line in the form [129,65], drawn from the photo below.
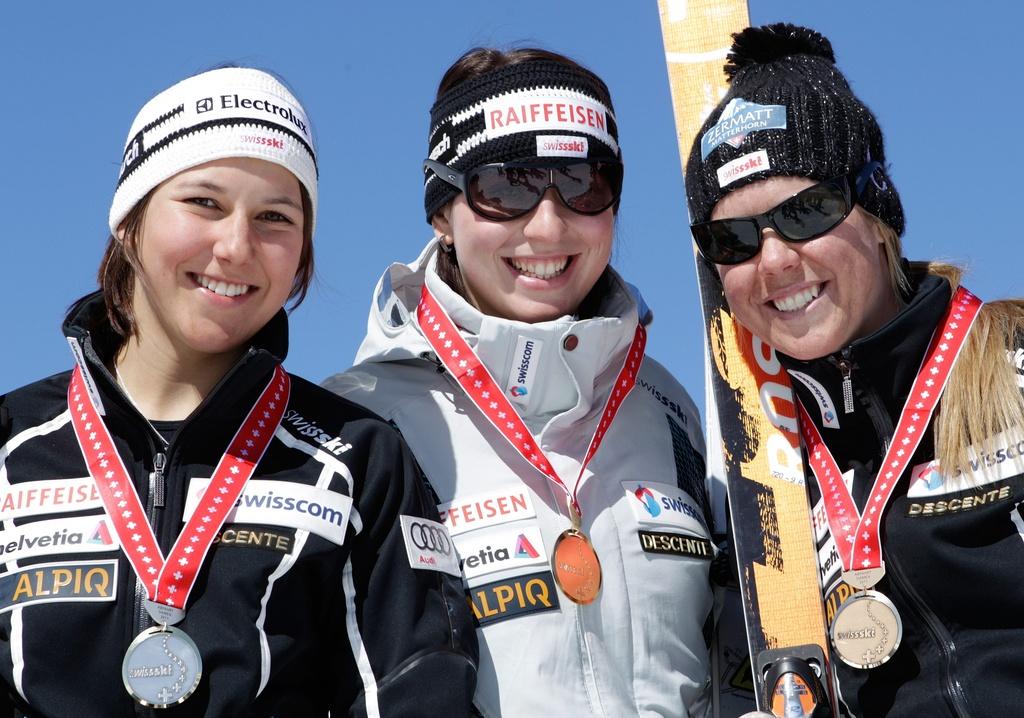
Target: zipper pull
[846,369]
[159,462]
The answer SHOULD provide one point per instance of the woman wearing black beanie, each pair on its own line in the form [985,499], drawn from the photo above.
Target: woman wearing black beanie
[911,408]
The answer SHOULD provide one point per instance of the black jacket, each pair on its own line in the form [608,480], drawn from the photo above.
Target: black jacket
[953,548]
[299,613]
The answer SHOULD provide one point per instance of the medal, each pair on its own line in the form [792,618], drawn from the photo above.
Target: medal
[574,561]
[866,630]
[576,567]
[162,666]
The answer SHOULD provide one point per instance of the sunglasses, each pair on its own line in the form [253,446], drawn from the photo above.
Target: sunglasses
[808,214]
[506,190]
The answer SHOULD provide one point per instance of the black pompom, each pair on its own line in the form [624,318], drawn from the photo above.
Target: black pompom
[758,45]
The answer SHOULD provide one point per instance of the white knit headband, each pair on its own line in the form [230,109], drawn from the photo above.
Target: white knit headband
[230,112]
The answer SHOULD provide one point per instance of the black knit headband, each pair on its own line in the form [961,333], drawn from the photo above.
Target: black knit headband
[529,110]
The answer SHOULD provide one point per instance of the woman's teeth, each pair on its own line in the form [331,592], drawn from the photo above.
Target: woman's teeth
[540,268]
[797,301]
[222,288]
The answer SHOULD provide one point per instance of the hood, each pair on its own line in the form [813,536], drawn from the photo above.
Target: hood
[391,330]
[558,373]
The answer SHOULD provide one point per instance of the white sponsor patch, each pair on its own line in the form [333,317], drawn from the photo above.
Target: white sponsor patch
[829,415]
[525,361]
[829,563]
[562,146]
[926,480]
[82,534]
[740,167]
[478,511]
[657,504]
[545,109]
[429,546]
[90,385]
[483,552]
[1003,460]
[36,498]
[283,503]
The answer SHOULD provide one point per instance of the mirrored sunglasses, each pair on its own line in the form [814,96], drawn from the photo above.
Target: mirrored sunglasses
[506,190]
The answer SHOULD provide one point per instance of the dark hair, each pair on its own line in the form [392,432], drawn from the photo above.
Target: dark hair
[479,61]
[116,275]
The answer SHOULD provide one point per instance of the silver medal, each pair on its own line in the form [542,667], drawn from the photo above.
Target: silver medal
[163,614]
[866,630]
[162,667]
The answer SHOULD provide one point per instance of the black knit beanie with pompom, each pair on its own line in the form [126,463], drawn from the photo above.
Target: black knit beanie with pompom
[788,111]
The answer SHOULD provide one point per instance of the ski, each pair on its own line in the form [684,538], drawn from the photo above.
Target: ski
[753,442]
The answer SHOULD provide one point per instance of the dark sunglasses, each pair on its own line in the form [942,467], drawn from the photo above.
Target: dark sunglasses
[507,190]
[808,214]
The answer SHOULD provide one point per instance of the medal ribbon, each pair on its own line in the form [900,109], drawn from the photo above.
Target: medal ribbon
[465,366]
[858,537]
[170,581]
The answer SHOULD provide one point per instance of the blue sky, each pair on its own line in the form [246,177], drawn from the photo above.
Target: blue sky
[941,82]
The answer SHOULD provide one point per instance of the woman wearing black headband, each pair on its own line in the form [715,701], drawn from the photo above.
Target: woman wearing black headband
[792,202]
[568,467]
[185,525]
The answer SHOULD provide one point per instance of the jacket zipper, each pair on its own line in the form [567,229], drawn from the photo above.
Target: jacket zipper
[953,692]
[158,486]
[154,500]
[846,368]
[882,423]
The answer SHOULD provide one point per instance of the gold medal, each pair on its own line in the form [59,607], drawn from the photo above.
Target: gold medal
[866,630]
[576,567]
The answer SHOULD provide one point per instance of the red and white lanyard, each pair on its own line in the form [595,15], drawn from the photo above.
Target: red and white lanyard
[481,388]
[170,581]
[857,536]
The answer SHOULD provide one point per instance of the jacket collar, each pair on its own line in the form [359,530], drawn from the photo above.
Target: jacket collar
[86,327]
[563,382]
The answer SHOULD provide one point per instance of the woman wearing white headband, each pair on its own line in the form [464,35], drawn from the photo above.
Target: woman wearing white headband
[568,466]
[183,521]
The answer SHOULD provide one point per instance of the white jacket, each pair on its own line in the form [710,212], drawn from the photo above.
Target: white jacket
[639,648]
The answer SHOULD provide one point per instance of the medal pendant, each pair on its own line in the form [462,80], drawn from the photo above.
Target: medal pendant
[161,667]
[864,578]
[163,614]
[576,567]
[866,630]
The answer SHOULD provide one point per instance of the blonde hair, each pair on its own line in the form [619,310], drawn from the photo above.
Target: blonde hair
[982,398]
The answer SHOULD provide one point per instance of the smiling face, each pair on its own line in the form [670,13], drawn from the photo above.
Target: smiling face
[812,298]
[533,268]
[218,252]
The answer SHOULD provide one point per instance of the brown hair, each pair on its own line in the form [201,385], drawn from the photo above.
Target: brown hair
[476,62]
[116,275]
